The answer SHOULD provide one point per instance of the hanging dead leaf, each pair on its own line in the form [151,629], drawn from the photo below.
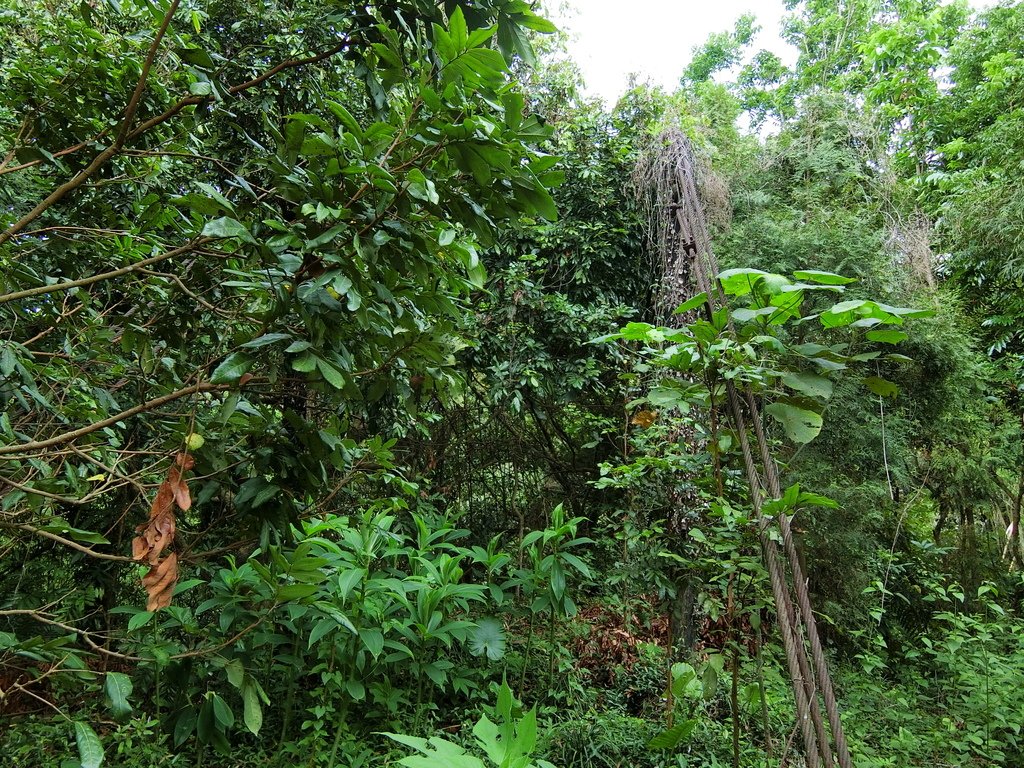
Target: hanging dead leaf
[180,489]
[140,548]
[175,476]
[158,532]
[159,582]
[161,533]
[163,502]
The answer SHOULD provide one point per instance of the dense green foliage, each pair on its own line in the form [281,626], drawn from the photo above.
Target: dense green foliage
[344,425]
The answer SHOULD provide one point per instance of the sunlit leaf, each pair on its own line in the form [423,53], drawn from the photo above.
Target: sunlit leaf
[825,278]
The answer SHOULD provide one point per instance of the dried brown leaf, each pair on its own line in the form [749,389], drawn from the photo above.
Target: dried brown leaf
[182,496]
[158,532]
[645,418]
[163,500]
[178,485]
[140,547]
[159,582]
[161,533]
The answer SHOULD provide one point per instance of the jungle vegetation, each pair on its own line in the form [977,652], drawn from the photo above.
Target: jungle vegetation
[344,423]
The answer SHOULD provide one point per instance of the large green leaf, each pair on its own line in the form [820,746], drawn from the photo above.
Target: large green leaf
[118,687]
[684,678]
[232,368]
[458,29]
[90,748]
[184,727]
[140,619]
[539,199]
[881,387]
[673,737]
[373,639]
[477,65]
[513,40]
[296,592]
[808,384]
[331,374]
[345,117]
[235,672]
[222,712]
[740,282]
[746,314]
[825,278]
[267,338]
[225,226]
[800,424]
[252,710]
[488,637]
[531,20]
[74,533]
[888,336]
[693,303]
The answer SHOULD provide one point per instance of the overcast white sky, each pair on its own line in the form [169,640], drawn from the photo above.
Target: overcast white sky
[610,39]
[654,38]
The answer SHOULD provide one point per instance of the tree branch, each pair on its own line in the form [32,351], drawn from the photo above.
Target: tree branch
[127,134]
[141,265]
[56,497]
[191,101]
[61,153]
[67,437]
[69,543]
[87,636]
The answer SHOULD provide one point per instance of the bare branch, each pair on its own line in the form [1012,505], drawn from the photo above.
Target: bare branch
[69,543]
[141,265]
[67,437]
[56,497]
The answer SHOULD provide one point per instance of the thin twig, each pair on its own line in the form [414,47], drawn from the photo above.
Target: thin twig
[68,285]
[149,405]
[69,543]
